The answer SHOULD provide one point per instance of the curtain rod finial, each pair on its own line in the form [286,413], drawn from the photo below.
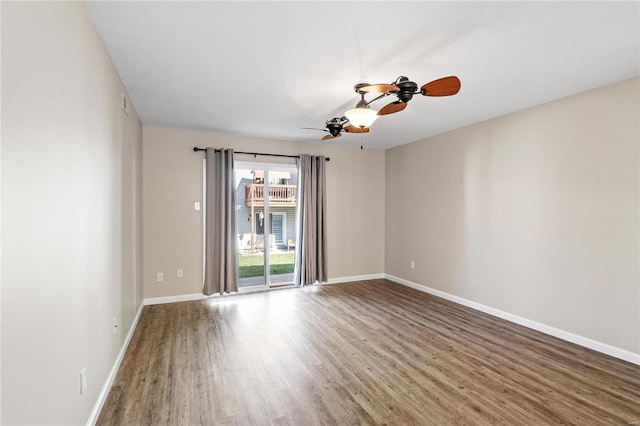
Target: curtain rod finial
[196,149]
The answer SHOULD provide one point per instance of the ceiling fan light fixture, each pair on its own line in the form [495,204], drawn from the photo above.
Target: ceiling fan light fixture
[361,116]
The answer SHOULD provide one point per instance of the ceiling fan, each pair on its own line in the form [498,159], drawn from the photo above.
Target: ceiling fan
[360,118]
[404,89]
[335,126]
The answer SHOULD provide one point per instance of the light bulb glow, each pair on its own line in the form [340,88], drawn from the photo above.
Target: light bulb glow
[361,117]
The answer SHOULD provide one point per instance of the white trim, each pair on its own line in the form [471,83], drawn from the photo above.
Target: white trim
[261,288]
[604,348]
[173,299]
[253,289]
[266,229]
[199,296]
[354,278]
[102,396]
[279,165]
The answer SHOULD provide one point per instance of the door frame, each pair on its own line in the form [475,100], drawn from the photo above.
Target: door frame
[267,168]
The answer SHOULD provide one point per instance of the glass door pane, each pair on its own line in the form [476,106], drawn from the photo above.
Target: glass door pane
[283,200]
[250,217]
[266,213]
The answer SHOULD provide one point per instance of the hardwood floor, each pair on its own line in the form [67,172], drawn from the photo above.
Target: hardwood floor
[370,352]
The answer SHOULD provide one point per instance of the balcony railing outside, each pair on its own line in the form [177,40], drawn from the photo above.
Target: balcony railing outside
[279,195]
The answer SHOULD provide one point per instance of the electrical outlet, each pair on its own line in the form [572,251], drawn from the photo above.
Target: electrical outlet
[196,206]
[180,273]
[160,277]
[83,381]
[413,265]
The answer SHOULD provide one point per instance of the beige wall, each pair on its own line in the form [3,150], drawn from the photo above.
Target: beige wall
[534,213]
[173,182]
[71,198]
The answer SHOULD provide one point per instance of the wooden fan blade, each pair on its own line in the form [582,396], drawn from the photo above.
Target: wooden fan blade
[396,106]
[326,138]
[353,129]
[380,88]
[445,86]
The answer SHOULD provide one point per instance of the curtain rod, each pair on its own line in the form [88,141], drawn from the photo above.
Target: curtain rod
[196,149]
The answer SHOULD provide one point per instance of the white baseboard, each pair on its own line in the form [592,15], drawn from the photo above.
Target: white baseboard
[355,278]
[173,299]
[199,296]
[102,397]
[552,331]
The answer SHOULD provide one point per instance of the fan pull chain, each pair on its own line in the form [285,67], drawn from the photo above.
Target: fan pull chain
[361,136]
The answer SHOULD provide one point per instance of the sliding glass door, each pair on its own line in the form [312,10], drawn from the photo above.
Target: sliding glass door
[266,213]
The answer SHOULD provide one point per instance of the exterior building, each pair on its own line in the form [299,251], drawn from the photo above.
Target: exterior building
[250,198]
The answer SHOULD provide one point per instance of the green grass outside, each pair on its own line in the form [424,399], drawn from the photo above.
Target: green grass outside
[253,265]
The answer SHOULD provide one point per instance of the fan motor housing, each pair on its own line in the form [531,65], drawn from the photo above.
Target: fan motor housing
[334,128]
[407,90]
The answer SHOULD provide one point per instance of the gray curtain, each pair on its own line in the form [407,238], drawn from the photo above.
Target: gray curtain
[311,251]
[221,261]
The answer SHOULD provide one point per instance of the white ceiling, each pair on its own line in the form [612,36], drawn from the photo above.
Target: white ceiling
[267,69]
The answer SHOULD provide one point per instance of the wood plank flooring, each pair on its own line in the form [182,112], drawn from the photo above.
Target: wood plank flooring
[370,352]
